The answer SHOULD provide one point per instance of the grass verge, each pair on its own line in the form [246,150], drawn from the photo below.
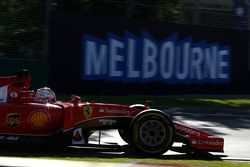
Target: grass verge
[193,163]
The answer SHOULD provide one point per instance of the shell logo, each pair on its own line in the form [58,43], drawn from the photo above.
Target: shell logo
[39,119]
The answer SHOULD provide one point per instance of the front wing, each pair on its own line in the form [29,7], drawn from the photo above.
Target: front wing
[197,140]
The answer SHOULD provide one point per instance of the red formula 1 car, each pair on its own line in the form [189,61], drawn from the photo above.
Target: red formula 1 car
[28,116]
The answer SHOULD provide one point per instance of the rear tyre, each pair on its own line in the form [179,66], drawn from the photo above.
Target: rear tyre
[153,132]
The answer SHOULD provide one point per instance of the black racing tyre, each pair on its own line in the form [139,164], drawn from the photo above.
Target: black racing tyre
[124,132]
[152,132]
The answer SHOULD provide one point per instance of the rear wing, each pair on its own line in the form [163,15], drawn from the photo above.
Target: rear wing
[21,80]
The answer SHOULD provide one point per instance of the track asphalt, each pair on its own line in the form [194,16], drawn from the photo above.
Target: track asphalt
[232,125]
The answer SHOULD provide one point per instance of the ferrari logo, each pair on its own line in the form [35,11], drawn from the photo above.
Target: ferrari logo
[87,111]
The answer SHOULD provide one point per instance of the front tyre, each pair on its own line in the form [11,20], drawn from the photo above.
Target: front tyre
[124,133]
[153,132]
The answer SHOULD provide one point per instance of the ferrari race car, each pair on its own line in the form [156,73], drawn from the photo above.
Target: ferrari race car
[36,117]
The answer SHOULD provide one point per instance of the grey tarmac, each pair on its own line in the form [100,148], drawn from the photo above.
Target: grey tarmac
[232,125]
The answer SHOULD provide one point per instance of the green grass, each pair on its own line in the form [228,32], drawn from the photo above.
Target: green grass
[187,101]
[194,163]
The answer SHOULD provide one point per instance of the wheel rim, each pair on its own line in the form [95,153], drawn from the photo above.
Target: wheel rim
[152,133]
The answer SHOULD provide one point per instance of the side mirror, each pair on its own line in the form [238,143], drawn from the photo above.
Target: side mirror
[75,99]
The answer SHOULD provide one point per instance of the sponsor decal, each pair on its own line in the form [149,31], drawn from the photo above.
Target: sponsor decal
[78,137]
[9,138]
[187,130]
[107,122]
[143,58]
[101,110]
[13,120]
[39,119]
[206,142]
[119,111]
[87,111]
[194,142]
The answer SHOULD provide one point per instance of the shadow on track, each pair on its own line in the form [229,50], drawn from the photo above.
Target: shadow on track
[232,119]
[93,152]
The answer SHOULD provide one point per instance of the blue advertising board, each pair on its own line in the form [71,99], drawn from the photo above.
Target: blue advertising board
[144,59]
[113,55]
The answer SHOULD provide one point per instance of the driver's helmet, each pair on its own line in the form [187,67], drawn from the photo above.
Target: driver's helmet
[45,94]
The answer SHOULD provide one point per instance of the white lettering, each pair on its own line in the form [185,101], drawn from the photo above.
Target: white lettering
[95,59]
[167,59]
[134,59]
[210,65]
[131,49]
[196,60]
[115,57]
[149,54]
[222,64]
[182,64]
[107,122]
[187,130]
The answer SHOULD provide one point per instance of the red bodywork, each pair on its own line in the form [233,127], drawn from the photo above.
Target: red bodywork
[24,116]
[199,140]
